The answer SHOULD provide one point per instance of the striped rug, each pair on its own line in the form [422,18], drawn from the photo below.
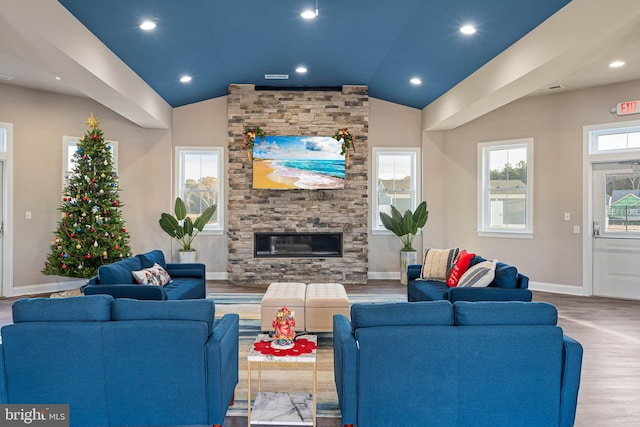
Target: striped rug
[287,377]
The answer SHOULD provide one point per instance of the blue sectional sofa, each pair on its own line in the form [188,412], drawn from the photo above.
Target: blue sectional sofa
[119,362]
[508,285]
[466,364]
[188,280]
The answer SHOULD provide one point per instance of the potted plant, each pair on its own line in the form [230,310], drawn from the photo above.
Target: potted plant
[406,227]
[184,229]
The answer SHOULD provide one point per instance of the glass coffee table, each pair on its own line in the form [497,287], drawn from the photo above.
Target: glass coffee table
[281,408]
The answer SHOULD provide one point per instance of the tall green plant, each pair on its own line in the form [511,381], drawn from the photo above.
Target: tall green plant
[181,227]
[405,226]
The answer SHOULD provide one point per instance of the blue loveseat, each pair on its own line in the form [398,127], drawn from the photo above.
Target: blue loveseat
[466,364]
[508,285]
[119,362]
[188,280]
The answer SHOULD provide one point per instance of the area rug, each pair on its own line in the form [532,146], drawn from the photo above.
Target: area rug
[286,377]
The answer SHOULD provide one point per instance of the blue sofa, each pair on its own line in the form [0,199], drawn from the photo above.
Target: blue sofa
[508,285]
[466,364]
[121,362]
[188,280]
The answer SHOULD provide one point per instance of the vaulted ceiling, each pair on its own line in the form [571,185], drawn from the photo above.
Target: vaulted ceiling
[97,49]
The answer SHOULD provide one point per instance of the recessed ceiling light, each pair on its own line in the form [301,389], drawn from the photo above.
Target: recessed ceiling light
[616,64]
[468,29]
[308,14]
[415,81]
[58,78]
[185,79]
[301,70]
[147,25]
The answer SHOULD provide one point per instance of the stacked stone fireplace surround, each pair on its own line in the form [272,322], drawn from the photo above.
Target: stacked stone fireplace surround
[298,112]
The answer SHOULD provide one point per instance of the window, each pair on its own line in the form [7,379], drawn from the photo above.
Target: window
[610,140]
[395,181]
[505,194]
[70,146]
[199,182]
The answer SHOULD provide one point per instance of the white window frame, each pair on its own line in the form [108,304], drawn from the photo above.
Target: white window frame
[219,214]
[414,153]
[72,141]
[6,156]
[615,129]
[484,206]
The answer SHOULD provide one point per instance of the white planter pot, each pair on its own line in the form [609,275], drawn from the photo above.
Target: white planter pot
[186,257]
[406,258]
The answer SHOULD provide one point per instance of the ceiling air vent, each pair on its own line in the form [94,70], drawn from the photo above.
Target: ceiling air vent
[276,76]
[550,88]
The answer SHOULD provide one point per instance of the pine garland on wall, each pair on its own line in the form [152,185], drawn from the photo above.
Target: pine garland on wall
[91,231]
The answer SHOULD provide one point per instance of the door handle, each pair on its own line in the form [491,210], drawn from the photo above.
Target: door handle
[596,228]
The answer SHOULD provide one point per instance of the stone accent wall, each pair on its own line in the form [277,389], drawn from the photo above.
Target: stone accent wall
[293,112]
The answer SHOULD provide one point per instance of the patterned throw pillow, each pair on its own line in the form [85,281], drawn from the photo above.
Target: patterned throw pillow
[460,266]
[155,276]
[479,275]
[437,263]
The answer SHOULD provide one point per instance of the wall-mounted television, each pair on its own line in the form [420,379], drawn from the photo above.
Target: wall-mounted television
[298,162]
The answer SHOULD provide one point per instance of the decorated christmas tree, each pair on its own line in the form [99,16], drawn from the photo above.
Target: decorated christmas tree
[91,231]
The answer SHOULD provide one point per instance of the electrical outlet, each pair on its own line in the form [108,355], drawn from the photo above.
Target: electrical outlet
[567,216]
[27,215]
[576,229]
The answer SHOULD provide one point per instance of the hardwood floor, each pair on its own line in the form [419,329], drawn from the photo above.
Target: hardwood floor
[608,329]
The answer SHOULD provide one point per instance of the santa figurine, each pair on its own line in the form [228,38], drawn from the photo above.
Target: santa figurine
[283,333]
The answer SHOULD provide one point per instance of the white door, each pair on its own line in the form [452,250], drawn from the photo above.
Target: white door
[616,230]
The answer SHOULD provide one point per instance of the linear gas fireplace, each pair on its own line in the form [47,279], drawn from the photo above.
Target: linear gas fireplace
[297,245]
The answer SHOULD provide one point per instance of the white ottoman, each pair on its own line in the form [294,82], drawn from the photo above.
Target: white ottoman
[323,301]
[278,295]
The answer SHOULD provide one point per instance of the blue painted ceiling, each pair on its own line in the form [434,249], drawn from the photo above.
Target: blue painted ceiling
[378,43]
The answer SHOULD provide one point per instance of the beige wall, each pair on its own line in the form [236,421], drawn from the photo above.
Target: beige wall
[390,125]
[40,119]
[204,124]
[555,122]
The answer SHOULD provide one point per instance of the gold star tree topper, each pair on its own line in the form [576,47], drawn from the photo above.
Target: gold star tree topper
[93,122]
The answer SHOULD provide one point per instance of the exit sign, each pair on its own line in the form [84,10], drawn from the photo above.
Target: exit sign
[627,107]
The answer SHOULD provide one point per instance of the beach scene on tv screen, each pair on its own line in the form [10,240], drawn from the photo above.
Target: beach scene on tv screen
[298,162]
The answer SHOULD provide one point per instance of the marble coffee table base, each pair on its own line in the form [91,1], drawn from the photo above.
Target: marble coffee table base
[279,408]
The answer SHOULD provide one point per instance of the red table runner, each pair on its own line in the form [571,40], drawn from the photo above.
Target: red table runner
[301,346]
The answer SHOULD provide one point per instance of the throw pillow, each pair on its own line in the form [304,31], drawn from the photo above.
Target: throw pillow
[437,263]
[155,276]
[479,275]
[460,266]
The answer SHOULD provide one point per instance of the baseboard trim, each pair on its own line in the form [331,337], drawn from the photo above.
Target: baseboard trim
[217,275]
[46,288]
[383,275]
[558,289]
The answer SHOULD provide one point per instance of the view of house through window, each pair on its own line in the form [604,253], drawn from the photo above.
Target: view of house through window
[395,180]
[505,192]
[623,203]
[199,182]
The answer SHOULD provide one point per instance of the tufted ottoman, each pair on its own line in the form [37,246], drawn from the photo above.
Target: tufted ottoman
[323,301]
[281,294]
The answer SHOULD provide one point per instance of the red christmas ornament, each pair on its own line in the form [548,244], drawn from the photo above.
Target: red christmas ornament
[88,256]
[73,235]
[94,180]
[115,204]
[95,136]
[64,199]
[93,230]
[85,157]
[85,198]
[64,266]
[124,230]
[116,247]
[104,212]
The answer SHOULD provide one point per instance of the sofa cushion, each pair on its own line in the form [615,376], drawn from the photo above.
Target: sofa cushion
[504,313]
[152,257]
[428,290]
[479,275]
[437,313]
[506,276]
[437,263]
[119,272]
[185,288]
[460,266]
[199,310]
[90,308]
[155,276]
